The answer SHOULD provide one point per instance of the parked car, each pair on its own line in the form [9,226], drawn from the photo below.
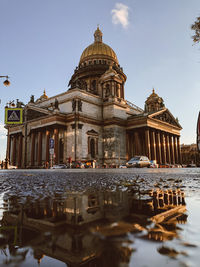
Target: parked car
[138,161]
[165,165]
[191,165]
[77,165]
[178,166]
[153,164]
[12,167]
[123,166]
[59,166]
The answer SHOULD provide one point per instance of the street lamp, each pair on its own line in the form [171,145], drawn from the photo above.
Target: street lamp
[6,82]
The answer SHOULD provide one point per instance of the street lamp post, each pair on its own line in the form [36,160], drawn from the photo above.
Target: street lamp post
[6,82]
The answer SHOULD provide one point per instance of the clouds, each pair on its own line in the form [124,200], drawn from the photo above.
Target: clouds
[120,15]
[3,132]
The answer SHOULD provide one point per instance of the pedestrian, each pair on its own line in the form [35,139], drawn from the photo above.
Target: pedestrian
[47,165]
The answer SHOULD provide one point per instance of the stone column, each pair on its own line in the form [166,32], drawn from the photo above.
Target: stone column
[113,88]
[56,144]
[39,148]
[163,148]
[171,149]
[179,150]
[132,147]
[47,145]
[122,89]
[32,148]
[158,148]
[89,144]
[8,146]
[79,140]
[153,145]
[11,149]
[20,151]
[175,149]
[147,144]
[97,146]
[127,146]
[14,151]
[135,149]
[168,149]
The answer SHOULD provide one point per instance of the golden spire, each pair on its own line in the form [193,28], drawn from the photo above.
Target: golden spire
[44,95]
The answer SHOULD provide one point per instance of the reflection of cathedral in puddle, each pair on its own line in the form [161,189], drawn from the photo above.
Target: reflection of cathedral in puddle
[63,226]
[76,208]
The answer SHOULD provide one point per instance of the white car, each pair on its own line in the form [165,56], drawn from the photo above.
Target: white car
[11,167]
[138,161]
[123,166]
[59,166]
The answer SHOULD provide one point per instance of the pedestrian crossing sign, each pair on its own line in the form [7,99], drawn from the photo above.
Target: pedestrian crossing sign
[13,115]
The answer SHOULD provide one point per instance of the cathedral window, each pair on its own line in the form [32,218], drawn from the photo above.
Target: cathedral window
[93,200]
[73,105]
[79,105]
[92,148]
[94,85]
[118,90]
[107,90]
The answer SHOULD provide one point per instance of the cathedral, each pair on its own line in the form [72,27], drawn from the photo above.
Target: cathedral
[92,121]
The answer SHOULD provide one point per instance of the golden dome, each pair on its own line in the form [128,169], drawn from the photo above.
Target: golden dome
[98,50]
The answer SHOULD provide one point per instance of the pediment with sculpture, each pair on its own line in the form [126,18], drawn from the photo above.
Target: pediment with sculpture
[36,114]
[165,116]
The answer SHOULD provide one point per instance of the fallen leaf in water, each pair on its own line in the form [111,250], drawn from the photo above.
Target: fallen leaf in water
[189,245]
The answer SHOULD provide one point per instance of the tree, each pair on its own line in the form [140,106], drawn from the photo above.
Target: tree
[196,28]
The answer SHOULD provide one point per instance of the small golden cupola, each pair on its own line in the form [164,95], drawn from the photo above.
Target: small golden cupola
[42,97]
[154,103]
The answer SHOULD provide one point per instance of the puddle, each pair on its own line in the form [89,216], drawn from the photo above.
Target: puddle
[101,219]
[100,228]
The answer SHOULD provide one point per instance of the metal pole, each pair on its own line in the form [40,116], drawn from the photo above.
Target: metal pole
[7,148]
[25,137]
[75,139]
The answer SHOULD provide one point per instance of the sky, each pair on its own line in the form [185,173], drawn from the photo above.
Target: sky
[41,42]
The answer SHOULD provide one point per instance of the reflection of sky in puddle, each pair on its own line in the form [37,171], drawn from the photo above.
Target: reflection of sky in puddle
[186,244]
[124,228]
